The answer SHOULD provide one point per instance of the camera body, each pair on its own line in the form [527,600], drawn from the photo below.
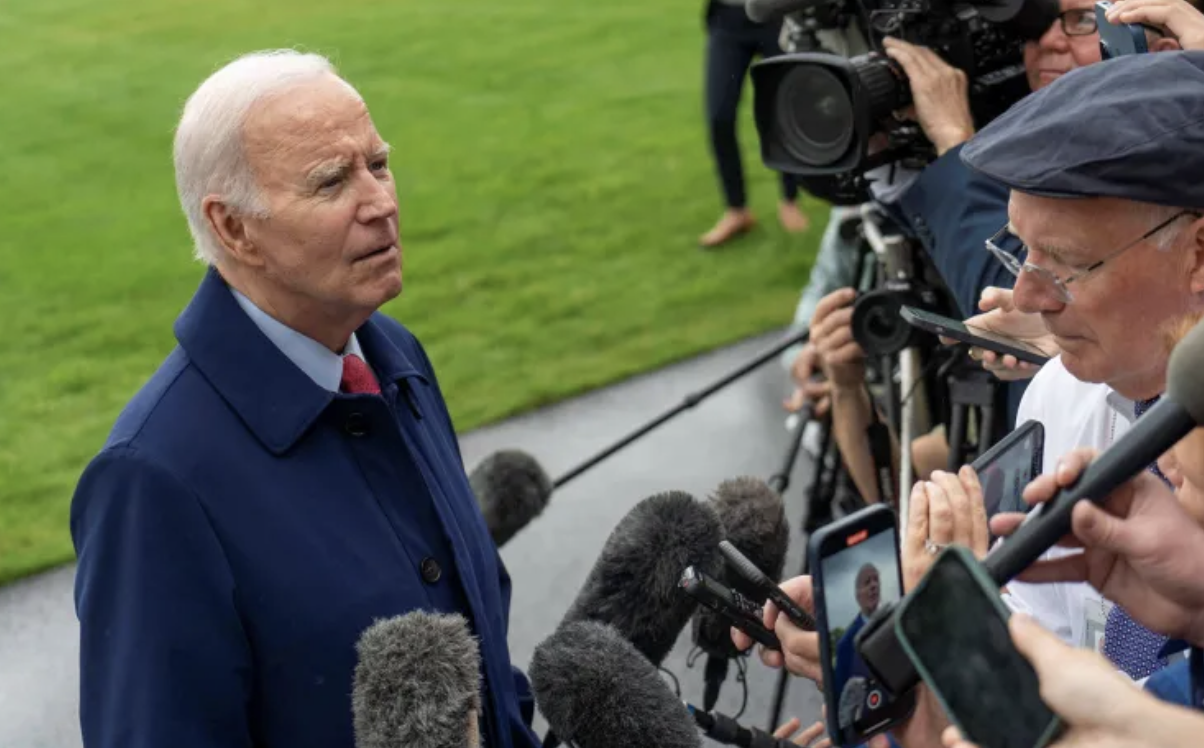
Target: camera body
[822,114]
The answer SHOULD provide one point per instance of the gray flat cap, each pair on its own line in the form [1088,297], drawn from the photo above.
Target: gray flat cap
[1131,127]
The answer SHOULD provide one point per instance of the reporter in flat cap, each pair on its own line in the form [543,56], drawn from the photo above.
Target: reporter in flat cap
[1106,238]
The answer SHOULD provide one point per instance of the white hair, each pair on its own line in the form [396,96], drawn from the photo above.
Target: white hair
[1168,237]
[209,155]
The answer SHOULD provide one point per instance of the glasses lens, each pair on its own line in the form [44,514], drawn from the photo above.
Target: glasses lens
[1009,249]
[1079,22]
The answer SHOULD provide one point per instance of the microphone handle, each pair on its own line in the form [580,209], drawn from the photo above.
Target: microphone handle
[724,729]
[1153,434]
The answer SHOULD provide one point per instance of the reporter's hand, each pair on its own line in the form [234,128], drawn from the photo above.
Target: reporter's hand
[806,389]
[842,359]
[1184,22]
[1000,316]
[800,649]
[1142,550]
[948,510]
[1099,705]
[805,737]
[939,92]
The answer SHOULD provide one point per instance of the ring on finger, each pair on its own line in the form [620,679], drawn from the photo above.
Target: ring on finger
[934,548]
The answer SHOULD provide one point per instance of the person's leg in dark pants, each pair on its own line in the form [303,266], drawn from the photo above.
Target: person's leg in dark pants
[793,219]
[728,57]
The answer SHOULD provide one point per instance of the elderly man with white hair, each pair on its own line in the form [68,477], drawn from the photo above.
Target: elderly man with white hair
[290,473]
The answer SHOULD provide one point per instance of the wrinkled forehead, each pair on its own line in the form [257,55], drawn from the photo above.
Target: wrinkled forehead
[307,118]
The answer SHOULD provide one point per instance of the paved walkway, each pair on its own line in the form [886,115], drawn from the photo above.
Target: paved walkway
[738,431]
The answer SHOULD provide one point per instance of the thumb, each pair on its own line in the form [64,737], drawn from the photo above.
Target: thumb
[1098,529]
[1039,647]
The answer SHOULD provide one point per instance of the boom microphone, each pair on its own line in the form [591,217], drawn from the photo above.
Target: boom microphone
[596,691]
[754,520]
[634,583]
[1175,415]
[511,489]
[417,683]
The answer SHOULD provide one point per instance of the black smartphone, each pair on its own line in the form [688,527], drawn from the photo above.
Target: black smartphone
[1116,40]
[737,609]
[1010,465]
[855,569]
[954,629]
[975,336]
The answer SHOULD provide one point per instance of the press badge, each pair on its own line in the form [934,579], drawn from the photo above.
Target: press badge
[1095,620]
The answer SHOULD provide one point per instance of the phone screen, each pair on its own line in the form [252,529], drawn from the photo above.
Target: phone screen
[857,579]
[958,637]
[1003,476]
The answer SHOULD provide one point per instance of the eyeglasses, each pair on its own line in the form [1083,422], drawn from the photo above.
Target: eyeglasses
[1079,22]
[1010,250]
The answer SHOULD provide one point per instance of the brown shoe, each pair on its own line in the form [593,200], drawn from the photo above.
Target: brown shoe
[732,224]
[793,220]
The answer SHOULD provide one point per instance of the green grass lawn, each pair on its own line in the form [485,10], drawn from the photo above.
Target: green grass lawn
[552,168]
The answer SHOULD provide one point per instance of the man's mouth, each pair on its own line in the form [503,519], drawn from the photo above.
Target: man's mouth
[377,252]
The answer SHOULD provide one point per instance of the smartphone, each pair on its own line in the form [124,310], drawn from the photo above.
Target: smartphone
[855,569]
[954,628]
[1010,465]
[975,336]
[1116,40]
[735,608]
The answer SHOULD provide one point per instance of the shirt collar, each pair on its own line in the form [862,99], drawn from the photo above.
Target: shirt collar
[317,361]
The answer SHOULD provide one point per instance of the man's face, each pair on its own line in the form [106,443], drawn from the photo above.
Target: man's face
[1109,332]
[331,243]
[868,590]
[1055,53]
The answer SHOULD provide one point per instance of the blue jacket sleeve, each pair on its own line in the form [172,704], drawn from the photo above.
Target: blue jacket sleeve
[953,210]
[164,659]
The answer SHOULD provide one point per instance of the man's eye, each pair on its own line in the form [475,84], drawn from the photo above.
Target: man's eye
[330,183]
[380,165]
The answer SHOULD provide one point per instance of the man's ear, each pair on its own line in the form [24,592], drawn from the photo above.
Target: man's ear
[1194,237]
[230,227]
[1159,43]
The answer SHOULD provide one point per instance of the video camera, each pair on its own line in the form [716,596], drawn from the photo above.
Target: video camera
[817,113]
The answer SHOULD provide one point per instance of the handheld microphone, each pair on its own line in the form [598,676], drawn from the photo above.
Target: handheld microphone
[511,489]
[1179,411]
[766,587]
[634,583]
[417,683]
[763,11]
[597,691]
[754,519]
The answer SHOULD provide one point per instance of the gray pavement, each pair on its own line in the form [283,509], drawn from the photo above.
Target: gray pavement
[738,431]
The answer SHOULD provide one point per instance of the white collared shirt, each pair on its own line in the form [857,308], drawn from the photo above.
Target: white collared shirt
[318,362]
[1074,414]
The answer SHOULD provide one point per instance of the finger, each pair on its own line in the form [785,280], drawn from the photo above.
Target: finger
[832,302]
[994,297]
[795,402]
[837,339]
[940,515]
[814,391]
[1099,529]
[811,733]
[787,729]
[1071,568]
[1006,523]
[1010,361]
[850,353]
[951,736]
[917,520]
[959,507]
[980,535]
[740,639]
[1045,651]
[823,406]
[770,658]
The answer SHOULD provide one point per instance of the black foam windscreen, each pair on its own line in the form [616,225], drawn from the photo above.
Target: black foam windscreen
[511,489]
[596,690]
[633,585]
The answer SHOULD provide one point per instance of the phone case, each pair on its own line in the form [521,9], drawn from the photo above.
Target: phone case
[842,526]
[951,328]
[966,557]
[1021,432]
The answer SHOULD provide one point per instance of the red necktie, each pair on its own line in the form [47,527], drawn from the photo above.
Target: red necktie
[357,377]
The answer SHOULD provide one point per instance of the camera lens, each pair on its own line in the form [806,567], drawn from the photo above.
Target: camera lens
[814,115]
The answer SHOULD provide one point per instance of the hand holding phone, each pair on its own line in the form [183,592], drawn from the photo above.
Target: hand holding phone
[1178,18]
[975,336]
[1006,468]
[856,566]
[954,629]
[1117,40]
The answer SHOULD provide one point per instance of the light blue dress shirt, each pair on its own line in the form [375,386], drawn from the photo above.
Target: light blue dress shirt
[318,362]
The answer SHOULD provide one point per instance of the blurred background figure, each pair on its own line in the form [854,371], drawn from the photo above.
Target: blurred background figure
[733,41]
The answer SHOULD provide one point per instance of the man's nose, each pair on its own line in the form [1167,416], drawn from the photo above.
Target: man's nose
[380,200]
[1054,39]
[1034,295]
